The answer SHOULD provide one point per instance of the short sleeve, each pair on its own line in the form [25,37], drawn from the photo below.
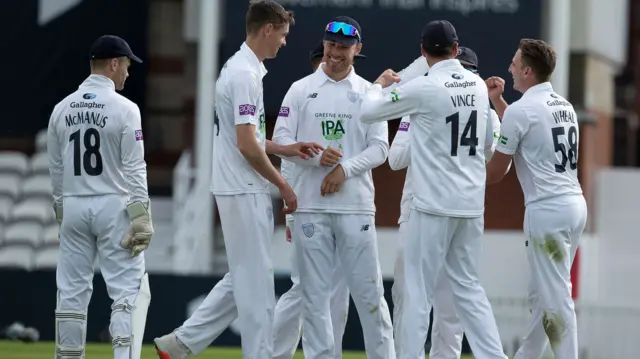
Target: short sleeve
[514,125]
[245,89]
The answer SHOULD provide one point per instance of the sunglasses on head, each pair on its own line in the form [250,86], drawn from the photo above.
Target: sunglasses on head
[347,30]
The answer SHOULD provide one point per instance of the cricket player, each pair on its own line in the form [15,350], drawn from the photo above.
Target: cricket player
[336,213]
[450,132]
[288,312]
[446,332]
[541,133]
[101,202]
[241,171]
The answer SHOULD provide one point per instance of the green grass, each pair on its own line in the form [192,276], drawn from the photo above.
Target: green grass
[19,350]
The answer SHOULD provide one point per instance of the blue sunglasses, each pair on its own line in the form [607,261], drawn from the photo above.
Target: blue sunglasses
[347,30]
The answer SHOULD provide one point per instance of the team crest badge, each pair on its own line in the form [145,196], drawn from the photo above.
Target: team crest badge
[308,229]
[353,96]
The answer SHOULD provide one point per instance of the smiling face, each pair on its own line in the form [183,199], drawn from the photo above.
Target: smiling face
[518,71]
[275,38]
[339,57]
[532,64]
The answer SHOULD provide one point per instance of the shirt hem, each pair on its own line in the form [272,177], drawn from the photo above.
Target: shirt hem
[236,192]
[338,210]
[94,194]
[450,213]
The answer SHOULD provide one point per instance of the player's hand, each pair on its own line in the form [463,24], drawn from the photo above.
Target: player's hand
[139,235]
[495,85]
[288,234]
[388,78]
[304,150]
[333,181]
[289,198]
[330,157]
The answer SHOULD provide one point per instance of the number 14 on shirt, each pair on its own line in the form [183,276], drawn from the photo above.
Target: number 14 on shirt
[469,135]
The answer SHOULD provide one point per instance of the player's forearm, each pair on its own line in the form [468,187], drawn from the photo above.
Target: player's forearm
[378,107]
[368,159]
[498,167]
[136,178]
[273,148]
[259,161]
[56,172]
[419,67]
[399,156]
[372,103]
[56,185]
[56,167]
[488,153]
[500,105]
[283,140]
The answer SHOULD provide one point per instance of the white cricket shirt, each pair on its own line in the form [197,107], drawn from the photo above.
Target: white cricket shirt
[400,157]
[319,109]
[95,146]
[541,131]
[238,101]
[450,131]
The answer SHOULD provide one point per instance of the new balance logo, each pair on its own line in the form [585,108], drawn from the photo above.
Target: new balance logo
[364,228]
[313,95]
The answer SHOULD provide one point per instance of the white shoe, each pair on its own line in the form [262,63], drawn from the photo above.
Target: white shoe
[170,347]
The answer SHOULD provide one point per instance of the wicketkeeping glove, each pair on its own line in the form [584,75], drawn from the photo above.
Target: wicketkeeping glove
[139,235]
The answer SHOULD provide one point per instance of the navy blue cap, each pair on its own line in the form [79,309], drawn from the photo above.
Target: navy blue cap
[111,46]
[467,57]
[439,34]
[318,52]
[340,37]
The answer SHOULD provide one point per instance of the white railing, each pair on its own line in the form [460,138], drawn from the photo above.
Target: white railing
[608,332]
[192,220]
[182,177]
[194,206]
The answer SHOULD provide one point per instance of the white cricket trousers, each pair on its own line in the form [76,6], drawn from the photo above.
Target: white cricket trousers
[288,314]
[446,332]
[94,226]
[553,228]
[321,240]
[437,243]
[247,291]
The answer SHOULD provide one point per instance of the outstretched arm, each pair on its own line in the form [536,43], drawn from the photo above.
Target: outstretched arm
[402,101]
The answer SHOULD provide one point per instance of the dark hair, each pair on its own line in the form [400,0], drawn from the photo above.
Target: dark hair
[262,12]
[540,56]
[439,51]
